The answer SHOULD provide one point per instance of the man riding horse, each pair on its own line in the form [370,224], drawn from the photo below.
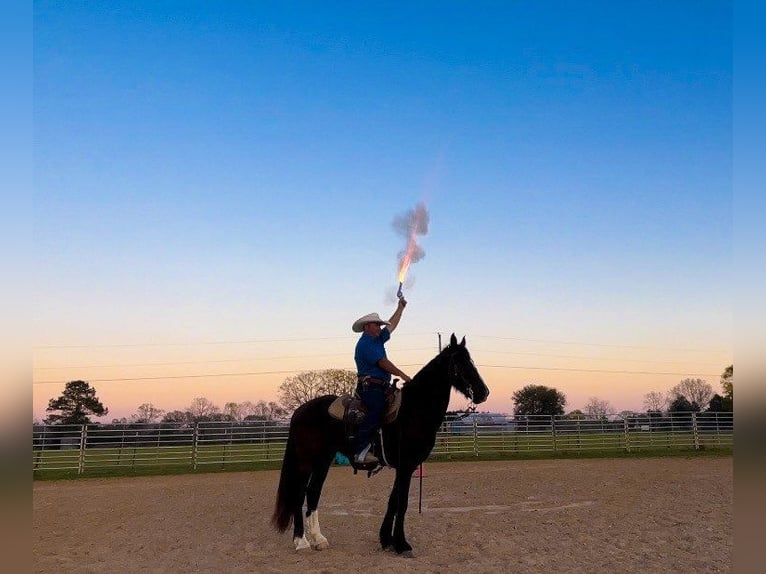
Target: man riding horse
[374,372]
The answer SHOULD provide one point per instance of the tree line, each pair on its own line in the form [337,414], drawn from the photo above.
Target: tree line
[78,402]
[689,395]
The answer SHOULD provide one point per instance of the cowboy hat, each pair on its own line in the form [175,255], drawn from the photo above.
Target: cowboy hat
[359,324]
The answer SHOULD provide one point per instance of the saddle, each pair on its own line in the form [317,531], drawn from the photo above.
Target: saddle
[351,411]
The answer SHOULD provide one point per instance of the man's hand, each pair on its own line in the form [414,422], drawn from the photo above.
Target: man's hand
[402,302]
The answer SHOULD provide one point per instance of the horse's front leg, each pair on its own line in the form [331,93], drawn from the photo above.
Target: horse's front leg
[397,508]
[386,529]
[403,483]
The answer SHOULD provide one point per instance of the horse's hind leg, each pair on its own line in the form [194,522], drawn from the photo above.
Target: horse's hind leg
[299,538]
[313,492]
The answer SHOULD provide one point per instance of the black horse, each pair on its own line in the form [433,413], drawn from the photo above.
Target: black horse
[315,437]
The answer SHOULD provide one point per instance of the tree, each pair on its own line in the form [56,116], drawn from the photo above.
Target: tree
[147,413]
[202,409]
[696,391]
[177,417]
[725,403]
[655,402]
[75,404]
[727,383]
[597,408]
[233,411]
[576,415]
[264,411]
[538,400]
[719,404]
[682,405]
[295,391]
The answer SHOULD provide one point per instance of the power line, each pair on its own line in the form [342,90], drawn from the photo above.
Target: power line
[203,343]
[399,335]
[207,375]
[619,372]
[320,355]
[188,344]
[211,361]
[259,373]
[474,351]
[595,344]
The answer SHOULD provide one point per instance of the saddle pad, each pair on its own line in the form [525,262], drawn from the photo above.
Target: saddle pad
[392,409]
[336,408]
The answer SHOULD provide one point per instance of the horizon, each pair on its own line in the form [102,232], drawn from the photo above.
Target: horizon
[590,366]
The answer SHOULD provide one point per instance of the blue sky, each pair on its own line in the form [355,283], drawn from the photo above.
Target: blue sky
[217,173]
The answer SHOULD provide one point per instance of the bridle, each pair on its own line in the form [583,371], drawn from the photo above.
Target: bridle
[455,375]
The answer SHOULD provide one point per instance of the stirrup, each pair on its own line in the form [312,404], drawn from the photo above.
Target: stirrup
[368,458]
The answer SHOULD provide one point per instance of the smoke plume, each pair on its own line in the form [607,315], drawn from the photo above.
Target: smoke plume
[410,225]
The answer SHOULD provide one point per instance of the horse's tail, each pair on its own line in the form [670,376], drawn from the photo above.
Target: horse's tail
[289,488]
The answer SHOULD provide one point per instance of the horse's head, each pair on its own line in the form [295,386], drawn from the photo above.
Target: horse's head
[462,372]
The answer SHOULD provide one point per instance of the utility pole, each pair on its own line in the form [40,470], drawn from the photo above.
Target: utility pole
[440,340]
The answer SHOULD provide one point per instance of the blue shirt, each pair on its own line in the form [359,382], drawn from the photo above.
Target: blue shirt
[370,350]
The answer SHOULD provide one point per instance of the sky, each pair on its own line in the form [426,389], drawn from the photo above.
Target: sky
[216,186]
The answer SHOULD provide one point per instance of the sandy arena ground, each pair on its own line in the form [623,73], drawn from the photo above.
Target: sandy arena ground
[613,515]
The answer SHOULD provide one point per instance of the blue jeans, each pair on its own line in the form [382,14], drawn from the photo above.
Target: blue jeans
[374,398]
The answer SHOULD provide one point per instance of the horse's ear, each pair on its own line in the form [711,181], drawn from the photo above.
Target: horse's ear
[462,342]
[453,340]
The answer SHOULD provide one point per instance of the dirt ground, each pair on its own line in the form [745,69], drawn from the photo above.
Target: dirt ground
[619,515]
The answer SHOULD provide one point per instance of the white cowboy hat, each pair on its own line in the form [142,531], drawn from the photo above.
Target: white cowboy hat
[359,324]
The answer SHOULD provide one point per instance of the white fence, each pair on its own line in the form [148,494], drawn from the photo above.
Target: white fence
[169,447]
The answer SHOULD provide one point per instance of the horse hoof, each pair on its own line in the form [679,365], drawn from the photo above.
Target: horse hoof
[321,544]
[301,543]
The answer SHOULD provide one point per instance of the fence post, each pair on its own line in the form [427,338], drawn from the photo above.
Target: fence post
[553,430]
[39,455]
[475,439]
[695,431]
[81,461]
[268,442]
[627,434]
[194,445]
[717,432]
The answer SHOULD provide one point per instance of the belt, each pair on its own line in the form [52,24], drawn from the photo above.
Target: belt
[371,380]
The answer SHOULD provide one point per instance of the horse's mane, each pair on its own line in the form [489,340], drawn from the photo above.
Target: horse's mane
[430,366]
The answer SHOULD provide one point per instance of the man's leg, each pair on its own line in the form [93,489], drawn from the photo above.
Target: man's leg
[374,398]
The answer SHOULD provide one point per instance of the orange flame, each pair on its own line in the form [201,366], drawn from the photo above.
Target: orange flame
[417,225]
[404,264]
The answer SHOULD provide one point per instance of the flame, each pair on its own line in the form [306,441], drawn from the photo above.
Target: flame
[417,225]
[404,266]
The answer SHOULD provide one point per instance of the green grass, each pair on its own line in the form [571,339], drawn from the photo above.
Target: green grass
[147,461]
[512,443]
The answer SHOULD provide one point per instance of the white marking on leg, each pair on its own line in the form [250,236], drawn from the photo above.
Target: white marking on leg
[318,542]
[301,543]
